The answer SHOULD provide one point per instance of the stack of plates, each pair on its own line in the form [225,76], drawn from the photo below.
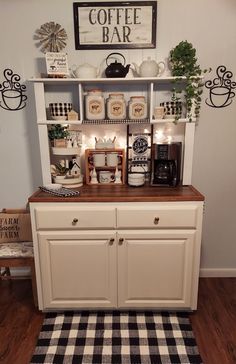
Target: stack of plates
[70,182]
[136,179]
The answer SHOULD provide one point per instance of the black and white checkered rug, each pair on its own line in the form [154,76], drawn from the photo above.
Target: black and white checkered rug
[116,337]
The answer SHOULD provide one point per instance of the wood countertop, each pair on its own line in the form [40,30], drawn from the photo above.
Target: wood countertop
[124,193]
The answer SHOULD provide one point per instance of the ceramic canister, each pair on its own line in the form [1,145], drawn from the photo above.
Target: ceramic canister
[95,105]
[137,107]
[116,106]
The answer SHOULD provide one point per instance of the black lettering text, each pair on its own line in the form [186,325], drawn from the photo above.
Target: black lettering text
[91,17]
[136,16]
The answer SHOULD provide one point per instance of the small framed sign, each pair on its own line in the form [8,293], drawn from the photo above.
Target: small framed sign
[57,64]
[120,24]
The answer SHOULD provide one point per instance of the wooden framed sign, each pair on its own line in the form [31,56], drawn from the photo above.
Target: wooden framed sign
[120,24]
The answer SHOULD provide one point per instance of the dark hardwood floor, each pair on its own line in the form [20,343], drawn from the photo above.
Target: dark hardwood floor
[214,323]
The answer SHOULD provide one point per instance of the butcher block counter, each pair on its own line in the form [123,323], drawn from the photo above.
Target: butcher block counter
[124,193]
[118,247]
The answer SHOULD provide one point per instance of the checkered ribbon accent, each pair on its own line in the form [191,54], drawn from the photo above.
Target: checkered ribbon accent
[116,338]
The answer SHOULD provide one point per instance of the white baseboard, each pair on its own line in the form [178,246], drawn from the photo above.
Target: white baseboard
[218,272]
[20,271]
[204,272]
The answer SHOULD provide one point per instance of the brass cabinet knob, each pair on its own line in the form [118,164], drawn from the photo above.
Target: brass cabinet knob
[121,240]
[111,241]
[156,220]
[74,221]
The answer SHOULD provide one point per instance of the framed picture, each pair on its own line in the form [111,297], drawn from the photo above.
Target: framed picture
[120,24]
[57,63]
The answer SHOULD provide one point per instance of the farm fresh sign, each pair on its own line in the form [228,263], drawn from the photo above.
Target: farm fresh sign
[115,25]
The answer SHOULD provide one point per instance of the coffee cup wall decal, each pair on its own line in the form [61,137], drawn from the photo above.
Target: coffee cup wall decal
[12,92]
[221,88]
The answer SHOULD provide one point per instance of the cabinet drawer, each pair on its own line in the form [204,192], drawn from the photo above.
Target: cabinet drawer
[75,218]
[167,216]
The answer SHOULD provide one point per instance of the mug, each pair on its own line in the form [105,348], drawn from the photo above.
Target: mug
[99,160]
[159,112]
[112,159]
[106,177]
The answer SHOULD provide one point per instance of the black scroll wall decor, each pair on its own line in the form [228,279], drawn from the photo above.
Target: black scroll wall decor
[12,92]
[221,88]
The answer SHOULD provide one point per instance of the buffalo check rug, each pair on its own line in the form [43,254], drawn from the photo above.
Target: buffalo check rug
[116,337]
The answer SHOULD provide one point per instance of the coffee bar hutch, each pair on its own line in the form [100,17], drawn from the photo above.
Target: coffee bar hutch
[116,246]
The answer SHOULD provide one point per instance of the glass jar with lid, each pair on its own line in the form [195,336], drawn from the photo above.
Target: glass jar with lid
[95,105]
[137,107]
[116,106]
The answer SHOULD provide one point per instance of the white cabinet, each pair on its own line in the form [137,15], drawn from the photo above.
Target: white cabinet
[78,270]
[151,88]
[117,255]
[155,268]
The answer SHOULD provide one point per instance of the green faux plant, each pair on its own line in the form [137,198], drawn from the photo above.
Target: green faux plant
[183,63]
[60,169]
[57,131]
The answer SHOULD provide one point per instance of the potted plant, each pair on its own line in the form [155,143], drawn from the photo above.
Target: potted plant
[183,62]
[58,134]
[60,171]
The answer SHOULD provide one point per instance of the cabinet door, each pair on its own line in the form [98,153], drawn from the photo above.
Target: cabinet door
[78,270]
[155,269]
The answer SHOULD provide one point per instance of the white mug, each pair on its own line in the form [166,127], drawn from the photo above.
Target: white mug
[159,112]
[106,177]
[112,159]
[99,160]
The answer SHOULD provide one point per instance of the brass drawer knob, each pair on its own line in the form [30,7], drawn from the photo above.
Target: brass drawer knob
[74,221]
[111,241]
[121,240]
[156,220]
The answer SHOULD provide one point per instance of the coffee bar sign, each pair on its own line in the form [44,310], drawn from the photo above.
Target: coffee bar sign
[101,25]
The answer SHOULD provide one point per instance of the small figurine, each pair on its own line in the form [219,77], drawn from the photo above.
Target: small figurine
[69,143]
[93,175]
[117,176]
[72,115]
[74,167]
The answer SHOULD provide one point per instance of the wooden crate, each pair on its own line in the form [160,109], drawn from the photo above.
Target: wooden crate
[89,164]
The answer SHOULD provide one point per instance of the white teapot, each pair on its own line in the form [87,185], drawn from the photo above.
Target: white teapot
[85,70]
[150,68]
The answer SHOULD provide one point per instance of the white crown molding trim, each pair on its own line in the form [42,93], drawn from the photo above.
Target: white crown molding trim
[218,272]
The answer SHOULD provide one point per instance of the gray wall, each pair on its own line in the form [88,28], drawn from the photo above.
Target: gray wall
[210,26]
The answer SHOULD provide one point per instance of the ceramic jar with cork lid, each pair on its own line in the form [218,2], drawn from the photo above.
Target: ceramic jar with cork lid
[116,106]
[95,105]
[137,107]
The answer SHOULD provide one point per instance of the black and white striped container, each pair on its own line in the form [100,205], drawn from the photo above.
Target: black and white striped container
[172,107]
[60,109]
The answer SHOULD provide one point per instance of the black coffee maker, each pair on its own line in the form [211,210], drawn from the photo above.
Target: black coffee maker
[166,164]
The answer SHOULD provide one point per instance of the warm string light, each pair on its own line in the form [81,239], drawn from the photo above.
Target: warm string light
[161,136]
[90,141]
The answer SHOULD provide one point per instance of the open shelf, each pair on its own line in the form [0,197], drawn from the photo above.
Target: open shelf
[90,165]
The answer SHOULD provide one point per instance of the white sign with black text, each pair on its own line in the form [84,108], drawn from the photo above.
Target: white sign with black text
[115,24]
[57,63]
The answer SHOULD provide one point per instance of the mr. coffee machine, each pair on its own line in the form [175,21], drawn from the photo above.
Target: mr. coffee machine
[166,164]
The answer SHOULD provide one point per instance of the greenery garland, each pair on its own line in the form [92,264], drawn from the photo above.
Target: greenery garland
[183,63]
